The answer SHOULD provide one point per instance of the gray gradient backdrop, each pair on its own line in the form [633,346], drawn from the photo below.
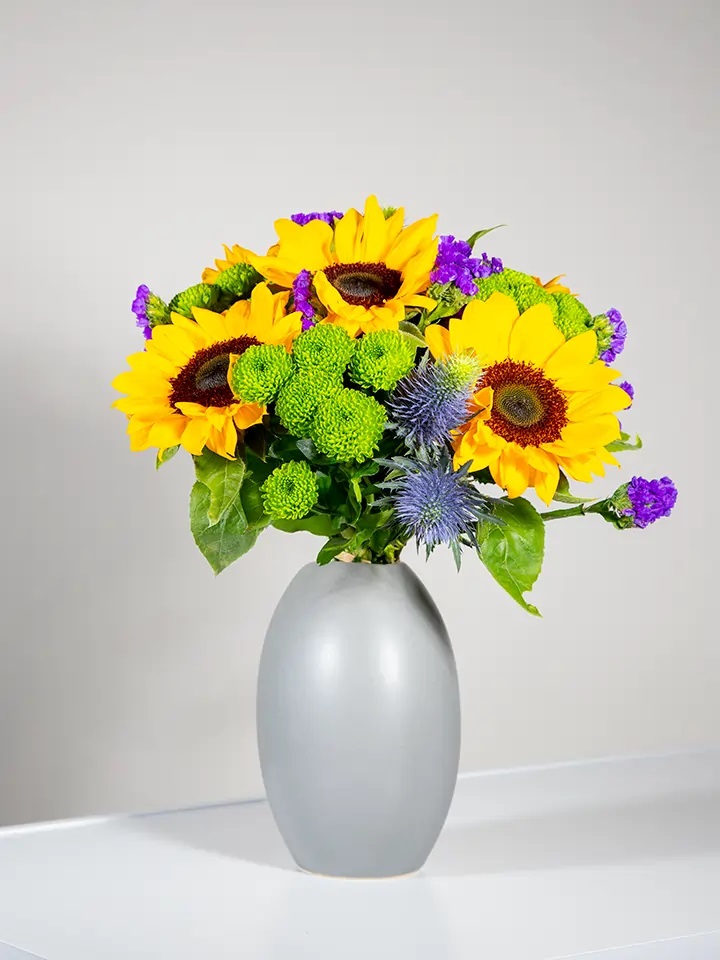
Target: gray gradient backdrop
[137,137]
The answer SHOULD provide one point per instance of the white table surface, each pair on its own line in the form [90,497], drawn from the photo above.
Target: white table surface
[617,859]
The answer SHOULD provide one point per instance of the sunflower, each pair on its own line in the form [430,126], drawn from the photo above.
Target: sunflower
[177,389]
[543,403]
[365,268]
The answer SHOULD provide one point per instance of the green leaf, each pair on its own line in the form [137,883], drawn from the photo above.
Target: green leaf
[563,495]
[367,469]
[331,549]
[624,444]
[481,233]
[412,333]
[252,503]
[223,542]
[513,552]
[223,478]
[164,455]
[322,525]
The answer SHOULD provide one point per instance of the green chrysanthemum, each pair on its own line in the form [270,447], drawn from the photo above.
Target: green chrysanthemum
[203,295]
[258,375]
[290,492]
[238,280]
[324,347]
[348,426]
[520,286]
[300,397]
[381,358]
[573,317]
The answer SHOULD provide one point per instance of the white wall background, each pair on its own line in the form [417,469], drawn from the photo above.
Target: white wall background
[138,137]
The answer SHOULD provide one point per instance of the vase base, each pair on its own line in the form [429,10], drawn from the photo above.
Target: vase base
[337,876]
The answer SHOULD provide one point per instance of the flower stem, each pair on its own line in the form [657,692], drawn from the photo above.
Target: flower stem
[578,511]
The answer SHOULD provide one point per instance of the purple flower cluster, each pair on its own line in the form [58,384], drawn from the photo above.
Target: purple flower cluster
[329,217]
[301,295]
[140,309]
[455,264]
[650,500]
[628,388]
[618,336]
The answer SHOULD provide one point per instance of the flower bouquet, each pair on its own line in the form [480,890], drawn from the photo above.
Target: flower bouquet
[369,383]
[372,384]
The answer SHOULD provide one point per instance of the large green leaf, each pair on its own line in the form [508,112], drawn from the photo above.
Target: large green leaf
[321,524]
[223,542]
[624,443]
[331,549]
[513,552]
[223,479]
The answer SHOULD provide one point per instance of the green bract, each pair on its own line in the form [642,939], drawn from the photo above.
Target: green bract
[323,347]
[238,280]
[348,426]
[158,312]
[203,295]
[381,359]
[258,375]
[300,397]
[290,492]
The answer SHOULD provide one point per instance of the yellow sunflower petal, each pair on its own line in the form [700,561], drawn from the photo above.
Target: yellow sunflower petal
[413,240]
[438,339]
[374,243]
[347,237]
[305,247]
[582,406]
[195,435]
[577,352]
[248,415]
[212,324]
[167,433]
[512,471]
[534,336]
[485,328]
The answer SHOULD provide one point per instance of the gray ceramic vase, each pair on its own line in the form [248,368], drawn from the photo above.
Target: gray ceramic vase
[358,716]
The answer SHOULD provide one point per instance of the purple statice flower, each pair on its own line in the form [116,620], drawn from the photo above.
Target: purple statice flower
[140,309]
[628,388]
[455,264]
[328,217]
[301,295]
[434,399]
[436,504]
[617,333]
[649,500]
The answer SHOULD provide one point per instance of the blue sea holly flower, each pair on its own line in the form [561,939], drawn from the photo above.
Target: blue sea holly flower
[434,399]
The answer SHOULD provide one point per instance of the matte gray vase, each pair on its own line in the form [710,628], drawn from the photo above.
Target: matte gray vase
[358,716]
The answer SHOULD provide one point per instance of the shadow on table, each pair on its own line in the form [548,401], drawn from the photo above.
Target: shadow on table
[676,827]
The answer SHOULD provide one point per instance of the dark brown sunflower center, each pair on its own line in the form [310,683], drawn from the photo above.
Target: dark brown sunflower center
[528,408]
[364,284]
[203,379]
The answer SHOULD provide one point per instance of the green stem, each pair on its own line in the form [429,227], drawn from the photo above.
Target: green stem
[578,511]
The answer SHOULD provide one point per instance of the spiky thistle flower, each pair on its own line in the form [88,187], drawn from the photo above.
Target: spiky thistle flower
[258,374]
[348,426]
[435,503]
[381,358]
[434,399]
[290,492]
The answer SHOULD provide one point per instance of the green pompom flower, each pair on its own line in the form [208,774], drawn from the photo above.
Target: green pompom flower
[290,492]
[300,397]
[348,426]
[258,374]
[203,295]
[520,286]
[238,280]
[324,347]
[381,358]
[573,317]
